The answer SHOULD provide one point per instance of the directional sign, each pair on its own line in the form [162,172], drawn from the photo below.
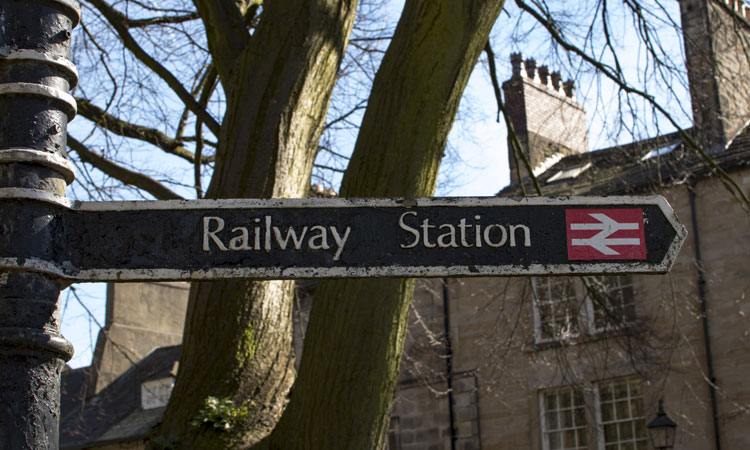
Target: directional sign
[302,238]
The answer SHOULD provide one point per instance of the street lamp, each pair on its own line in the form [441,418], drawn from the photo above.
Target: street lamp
[662,430]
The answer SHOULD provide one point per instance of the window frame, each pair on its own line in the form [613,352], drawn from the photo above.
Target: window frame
[600,424]
[543,411]
[539,336]
[625,310]
[586,311]
[594,424]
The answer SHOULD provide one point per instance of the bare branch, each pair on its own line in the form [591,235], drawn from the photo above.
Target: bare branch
[131,130]
[332,169]
[114,19]
[142,23]
[208,84]
[324,148]
[198,85]
[360,106]
[150,7]
[127,176]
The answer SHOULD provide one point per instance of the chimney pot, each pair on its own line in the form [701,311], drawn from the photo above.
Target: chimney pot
[556,78]
[570,88]
[544,74]
[515,62]
[530,66]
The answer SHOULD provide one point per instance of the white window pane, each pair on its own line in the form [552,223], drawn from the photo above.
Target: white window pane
[611,298]
[557,308]
[564,424]
[621,412]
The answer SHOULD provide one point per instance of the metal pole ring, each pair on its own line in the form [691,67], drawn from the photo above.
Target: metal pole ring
[32,55]
[30,339]
[72,7]
[48,159]
[36,195]
[41,91]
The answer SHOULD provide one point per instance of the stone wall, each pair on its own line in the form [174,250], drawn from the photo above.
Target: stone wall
[427,396]
[421,415]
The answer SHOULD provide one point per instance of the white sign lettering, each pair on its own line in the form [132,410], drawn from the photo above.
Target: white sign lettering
[463,234]
[268,237]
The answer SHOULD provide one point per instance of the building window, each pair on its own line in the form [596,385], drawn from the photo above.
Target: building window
[621,415]
[556,308]
[564,307]
[611,300]
[563,420]
[618,417]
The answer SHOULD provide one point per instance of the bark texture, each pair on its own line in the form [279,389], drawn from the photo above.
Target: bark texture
[355,336]
[237,340]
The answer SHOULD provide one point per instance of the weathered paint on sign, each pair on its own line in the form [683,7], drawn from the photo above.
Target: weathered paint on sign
[304,238]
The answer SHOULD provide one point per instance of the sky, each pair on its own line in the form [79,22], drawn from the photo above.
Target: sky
[479,168]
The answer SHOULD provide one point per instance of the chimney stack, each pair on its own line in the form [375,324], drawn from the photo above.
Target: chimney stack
[140,317]
[548,120]
[717,65]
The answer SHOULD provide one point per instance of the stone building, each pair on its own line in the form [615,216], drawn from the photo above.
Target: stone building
[581,362]
[114,402]
[545,362]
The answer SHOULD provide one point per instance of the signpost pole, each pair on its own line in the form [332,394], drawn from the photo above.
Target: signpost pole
[35,107]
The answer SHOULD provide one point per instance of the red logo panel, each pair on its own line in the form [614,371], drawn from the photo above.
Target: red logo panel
[596,234]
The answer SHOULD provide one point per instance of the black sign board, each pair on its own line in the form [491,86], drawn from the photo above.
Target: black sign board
[312,238]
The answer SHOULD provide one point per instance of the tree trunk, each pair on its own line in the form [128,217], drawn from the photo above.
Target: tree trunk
[355,336]
[238,337]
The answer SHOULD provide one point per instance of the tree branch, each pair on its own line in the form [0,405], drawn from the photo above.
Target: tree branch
[142,23]
[114,19]
[127,176]
[208,84]
[332,169]
[131,130]
[361,105]
[226,31]
[516,147]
